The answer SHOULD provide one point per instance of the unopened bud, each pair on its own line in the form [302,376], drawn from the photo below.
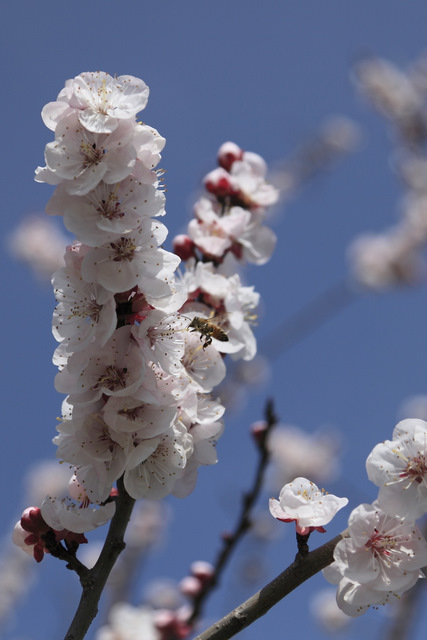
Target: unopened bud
[32,521]
[219,183]
[190,586]
[184,247]
[202,570]
[258,430]
[228,153]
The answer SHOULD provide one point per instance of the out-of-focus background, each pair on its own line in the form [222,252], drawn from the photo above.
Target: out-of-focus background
[268,76]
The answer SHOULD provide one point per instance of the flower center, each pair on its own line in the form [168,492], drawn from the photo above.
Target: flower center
[92,155]
[380,545]
[124,249]
[112,378]
[416,469]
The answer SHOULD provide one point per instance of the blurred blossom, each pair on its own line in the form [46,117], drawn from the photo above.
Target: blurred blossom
[38,242]
[413,170]
[297,453]
[163,594]
[148,523]
[386,260]
[415,212]
[325,610]
[414,407]
[16,577]
[48,477]
[395,94]
[129,623]
[340,133]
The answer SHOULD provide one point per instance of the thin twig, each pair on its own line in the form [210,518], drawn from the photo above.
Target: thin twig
[243,522]
[298,572]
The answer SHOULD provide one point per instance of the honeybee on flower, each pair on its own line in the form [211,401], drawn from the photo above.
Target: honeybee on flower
[208,329]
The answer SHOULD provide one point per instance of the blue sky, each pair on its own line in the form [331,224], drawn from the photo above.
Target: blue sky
[265,75]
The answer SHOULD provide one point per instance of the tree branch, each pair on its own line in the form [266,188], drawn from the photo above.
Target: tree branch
[94,581]
[258,605]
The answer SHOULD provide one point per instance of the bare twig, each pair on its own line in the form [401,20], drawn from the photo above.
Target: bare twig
[243,523]
[298,572]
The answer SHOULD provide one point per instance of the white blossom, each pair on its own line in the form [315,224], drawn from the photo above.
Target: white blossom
[99,100]
[302,502]
[63,514]
[381,557]
[81,159]
[399,468]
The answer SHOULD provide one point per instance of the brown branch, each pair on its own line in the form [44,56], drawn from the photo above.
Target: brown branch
[94,581]
[298,572]
[243,523]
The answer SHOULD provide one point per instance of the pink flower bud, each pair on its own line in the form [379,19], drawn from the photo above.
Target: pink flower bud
[202,570]
[220,183]
[184,247]
[190,586]
[32,521]
[228,153]
[258,430]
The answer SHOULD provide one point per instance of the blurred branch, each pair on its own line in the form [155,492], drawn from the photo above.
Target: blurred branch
[337,137]
[94,581]
[401,626]
[313,315]
[230,540]
[303,568]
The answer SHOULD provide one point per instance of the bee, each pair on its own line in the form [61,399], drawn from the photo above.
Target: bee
[208,330]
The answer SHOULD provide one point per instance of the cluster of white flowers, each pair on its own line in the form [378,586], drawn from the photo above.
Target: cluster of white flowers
[140,352]
[385,550]
[395,257]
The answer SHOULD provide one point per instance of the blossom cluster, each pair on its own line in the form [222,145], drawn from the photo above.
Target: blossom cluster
[385,549]
[394,257]
[140,351]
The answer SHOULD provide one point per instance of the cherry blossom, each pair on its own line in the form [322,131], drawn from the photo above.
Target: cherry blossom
[302,502]
[382,556]
[131,415]
[86,312]
[399,468]
[95,451]
[61,514]
[99,99]
[110,210]
[116,369]
[81,159]
[155,464]
[134,259]
[134,364]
